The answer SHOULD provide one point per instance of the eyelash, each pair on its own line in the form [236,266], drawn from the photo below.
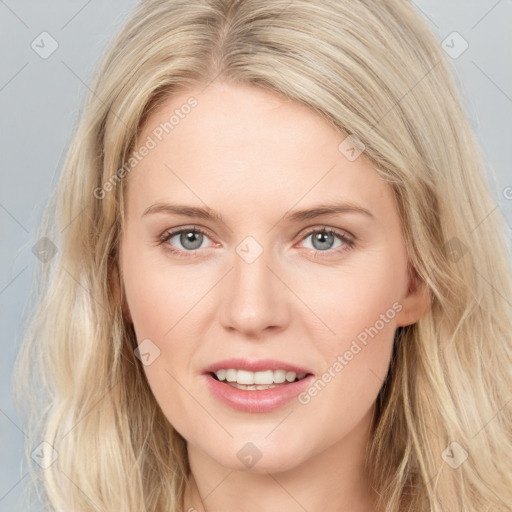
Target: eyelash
[347,241]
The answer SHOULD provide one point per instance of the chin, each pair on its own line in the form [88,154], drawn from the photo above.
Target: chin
[257,454]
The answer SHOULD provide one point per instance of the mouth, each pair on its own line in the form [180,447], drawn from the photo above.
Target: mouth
[260,386]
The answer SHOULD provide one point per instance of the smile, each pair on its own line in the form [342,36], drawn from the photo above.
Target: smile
[261,386]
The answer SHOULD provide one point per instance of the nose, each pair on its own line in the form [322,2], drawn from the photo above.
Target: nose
[255,297]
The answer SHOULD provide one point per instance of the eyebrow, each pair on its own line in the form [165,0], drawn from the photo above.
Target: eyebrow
[295,216]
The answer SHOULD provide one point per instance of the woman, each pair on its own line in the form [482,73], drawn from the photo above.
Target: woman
[277,285]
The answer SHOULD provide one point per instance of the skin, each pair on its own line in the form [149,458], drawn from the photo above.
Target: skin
[253,156]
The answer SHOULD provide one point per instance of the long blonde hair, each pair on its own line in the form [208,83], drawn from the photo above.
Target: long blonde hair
[442,437]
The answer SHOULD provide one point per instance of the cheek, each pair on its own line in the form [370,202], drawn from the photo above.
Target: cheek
[158,295]
[359,306]
[160,301]
[360,297]
[158,314]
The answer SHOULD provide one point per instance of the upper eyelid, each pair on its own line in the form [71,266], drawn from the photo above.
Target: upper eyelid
[338,231]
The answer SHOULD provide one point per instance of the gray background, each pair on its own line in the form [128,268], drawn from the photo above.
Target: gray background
[40,100]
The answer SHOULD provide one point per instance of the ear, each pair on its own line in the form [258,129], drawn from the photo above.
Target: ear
[415,303]
[118,292]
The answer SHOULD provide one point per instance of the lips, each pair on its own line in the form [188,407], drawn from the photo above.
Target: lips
[254,399]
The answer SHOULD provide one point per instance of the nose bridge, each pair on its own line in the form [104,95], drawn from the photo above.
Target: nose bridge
[254,298]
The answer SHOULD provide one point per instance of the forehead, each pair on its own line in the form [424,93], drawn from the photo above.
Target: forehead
[240,145]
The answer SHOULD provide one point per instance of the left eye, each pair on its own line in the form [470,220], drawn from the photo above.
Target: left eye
[323,240]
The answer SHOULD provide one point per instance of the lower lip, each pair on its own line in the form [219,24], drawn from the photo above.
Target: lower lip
[263,400]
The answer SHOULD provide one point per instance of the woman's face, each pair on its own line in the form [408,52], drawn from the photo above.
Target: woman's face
[255,281]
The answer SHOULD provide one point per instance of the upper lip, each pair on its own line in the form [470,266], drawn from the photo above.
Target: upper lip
[254,366]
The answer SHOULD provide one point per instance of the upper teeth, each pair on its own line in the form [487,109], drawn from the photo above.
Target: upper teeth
[264,377]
